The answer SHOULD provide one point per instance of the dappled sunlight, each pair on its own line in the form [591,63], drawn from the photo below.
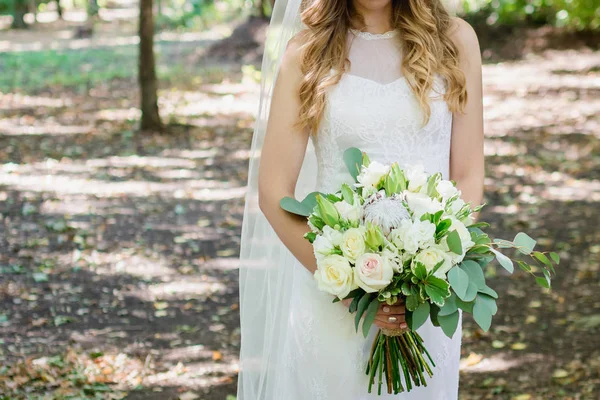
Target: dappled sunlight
[18,101]
[477,363]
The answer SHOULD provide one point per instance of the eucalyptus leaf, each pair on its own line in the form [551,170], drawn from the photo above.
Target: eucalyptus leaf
[489,291]
[347,194]
[353,159]
[471,292]
[540,280]
[482,315]
[354,304]
[555,257]
[524,243]
[488,301]
[454,243]
[361,308]
[542,257]
[370,316]
[504,244]
[466,306]
[504,261]
[459,281]
[449,307]
[474,271]
[419,316]
[524,266]
[449,323]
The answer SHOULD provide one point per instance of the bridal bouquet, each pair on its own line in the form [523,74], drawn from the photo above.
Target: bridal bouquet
[401,233]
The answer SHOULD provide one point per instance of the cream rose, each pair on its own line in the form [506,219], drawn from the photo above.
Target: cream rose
[446,189]
[371,175]
[417,178]
[334,275]
[372,272]
[348,211]
[335,237]
[430,257]
[420,204]
[322,247]
[353,243]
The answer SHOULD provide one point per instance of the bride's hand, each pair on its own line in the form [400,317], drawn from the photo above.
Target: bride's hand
[391,317]
[388,317]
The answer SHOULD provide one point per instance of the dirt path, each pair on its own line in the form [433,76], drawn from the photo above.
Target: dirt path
[118,250]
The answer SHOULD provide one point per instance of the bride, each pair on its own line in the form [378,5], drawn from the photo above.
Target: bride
[400,80]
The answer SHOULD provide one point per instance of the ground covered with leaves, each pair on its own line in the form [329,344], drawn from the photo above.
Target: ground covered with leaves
[118,248]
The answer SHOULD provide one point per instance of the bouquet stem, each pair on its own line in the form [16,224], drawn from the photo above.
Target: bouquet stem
[394,351]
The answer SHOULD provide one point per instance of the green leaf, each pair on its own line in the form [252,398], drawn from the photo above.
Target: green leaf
[354,304]
[474,271]
[489,291]
[482,315]
[370,316]
[466,306]
[411,302]
[488,301]
[293,206]
[353,159]
[437,289]
[433,315]
[540,280]
[504,244]
[542,257]
[347,194]
[449,307]
[524,266]
[419,316]
[479,225]
[524,243]
[471,292]
[454,243]
[449,323]
[484,259]
[459,281]
[555,257]
[361,308]
[504,261]
[420,270]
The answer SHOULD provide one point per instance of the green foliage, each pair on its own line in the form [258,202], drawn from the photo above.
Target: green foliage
[577,14]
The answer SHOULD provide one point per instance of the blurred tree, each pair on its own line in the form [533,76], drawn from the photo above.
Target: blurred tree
[19,9]
[59,9]
[92,8]
[147,69]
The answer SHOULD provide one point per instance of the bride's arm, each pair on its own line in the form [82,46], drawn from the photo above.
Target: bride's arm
[282,156]
[466,152]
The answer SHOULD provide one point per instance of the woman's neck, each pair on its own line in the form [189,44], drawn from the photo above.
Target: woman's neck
[376,21]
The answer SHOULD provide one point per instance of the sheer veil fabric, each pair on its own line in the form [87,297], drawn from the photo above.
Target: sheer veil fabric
[271,281]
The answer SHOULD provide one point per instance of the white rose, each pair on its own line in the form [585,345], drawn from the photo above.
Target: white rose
[334,275]
[372,272]
[369,176]
[456,206]
[322,247]
[465,240]
[416,176]
[353,243]
[431,256]
[424,232]
[446,189]
[348,211]
[403,239]
[335,237]
[391,254]
[420,204]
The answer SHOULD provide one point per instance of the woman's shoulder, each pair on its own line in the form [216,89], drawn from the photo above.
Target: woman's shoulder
[463,35]
[292,56]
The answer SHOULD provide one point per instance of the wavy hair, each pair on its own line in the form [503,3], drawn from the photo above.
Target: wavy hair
[424,31]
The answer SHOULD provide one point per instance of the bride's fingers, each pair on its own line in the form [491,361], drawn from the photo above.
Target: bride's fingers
[395,320]
[385,309]
[384,324]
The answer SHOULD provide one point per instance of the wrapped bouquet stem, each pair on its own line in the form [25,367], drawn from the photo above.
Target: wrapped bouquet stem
[405,234]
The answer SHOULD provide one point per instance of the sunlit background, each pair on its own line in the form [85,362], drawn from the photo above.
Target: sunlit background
[118,245]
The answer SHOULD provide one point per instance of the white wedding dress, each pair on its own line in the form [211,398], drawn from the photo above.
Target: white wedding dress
[374,109]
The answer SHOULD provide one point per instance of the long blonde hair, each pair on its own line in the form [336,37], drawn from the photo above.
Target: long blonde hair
[423,26]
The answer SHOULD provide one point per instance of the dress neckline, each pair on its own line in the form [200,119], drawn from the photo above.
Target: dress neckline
[373,36]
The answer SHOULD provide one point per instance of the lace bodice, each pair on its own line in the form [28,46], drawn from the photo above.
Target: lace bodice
[373,108]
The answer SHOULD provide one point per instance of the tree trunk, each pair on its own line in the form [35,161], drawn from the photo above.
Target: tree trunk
[147,70]
[260,7]
[92,8]
[19,11]
[59,9]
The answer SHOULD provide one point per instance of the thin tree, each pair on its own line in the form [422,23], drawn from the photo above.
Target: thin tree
[19,9]
[147,70]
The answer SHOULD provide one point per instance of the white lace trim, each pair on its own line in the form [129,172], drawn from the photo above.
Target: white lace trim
[374,36]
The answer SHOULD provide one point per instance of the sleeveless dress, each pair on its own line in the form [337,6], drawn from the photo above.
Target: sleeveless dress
[374,109]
